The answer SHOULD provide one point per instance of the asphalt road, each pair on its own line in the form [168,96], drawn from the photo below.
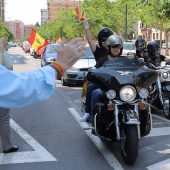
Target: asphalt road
[51,137]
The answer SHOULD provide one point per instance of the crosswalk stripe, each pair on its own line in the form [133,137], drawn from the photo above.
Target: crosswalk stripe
[40,154]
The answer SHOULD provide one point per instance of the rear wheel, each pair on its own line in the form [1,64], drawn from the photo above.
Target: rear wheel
[129,143]
[166,105]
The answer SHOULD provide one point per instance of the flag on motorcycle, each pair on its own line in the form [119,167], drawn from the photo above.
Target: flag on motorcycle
[58,39]
[84,88]
[37,41]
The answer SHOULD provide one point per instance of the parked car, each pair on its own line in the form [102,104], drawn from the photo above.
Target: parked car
[33,53]
[12,44]
[159,41]
[129,48]
[49,54]
[164,45]
[23,44]
[27,48]
[76,74]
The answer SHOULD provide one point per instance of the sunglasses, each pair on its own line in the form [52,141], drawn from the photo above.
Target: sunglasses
[116,46]
[104,39]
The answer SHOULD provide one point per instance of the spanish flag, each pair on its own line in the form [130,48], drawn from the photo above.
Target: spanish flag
[36,40]
[58,39]
[76,11]
[82,16]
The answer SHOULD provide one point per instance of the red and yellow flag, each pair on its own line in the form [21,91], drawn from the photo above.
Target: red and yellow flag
[82,16]
[58,39]
[36,40]
[76,11]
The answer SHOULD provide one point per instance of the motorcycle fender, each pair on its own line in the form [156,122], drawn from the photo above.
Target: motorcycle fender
[166,88]
[131,120]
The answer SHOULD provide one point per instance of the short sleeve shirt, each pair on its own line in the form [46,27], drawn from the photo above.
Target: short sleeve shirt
[99,53]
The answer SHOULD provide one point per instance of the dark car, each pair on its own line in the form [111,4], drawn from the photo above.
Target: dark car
[49,54]
[77,73]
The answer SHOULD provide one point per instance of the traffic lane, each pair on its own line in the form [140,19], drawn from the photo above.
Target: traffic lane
[51,124]
[22,61]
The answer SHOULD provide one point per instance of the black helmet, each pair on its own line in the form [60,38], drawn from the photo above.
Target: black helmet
[153,49]
[105,32]
[140,42]
[115,40]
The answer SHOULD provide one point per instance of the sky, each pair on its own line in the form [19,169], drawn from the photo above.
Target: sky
[27,11]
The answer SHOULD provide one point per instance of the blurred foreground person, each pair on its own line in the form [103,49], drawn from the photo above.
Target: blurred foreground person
[22,89]
[5,129]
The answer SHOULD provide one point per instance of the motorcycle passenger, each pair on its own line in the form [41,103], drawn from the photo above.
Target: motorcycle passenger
[141,49]
[98,50]
[94,95]
[154,54]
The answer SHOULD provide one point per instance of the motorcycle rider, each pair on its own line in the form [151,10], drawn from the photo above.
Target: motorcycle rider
[141,49]
[94,95]
[154,54]
[149,52]
[98,50]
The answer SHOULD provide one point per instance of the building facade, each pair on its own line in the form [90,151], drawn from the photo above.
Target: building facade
[17,29]
[27,29]
[44,16]
[54,6]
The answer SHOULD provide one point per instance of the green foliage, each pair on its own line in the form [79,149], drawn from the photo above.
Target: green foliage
[104,13]
[5,32]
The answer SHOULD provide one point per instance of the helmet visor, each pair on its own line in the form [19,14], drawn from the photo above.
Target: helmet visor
[116,46]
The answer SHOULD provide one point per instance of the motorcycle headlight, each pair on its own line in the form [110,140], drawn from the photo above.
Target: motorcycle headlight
[111,94]
[143,93]
[165,75]
[127,93]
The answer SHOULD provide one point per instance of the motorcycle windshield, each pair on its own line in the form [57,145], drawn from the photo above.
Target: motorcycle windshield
[122,71]
[122,62]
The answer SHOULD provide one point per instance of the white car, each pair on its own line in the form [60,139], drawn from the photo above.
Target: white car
[32,51]
[129,48]
[77,73]
[164,45]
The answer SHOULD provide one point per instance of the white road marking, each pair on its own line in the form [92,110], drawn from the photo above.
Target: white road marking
[40,154]
[161,118]
[111,159]
[164,165]
[159,132]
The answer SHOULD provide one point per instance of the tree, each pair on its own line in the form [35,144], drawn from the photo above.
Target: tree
[5,32]
[158,15]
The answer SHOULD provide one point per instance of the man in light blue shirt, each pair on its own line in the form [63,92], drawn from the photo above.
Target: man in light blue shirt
[22,89]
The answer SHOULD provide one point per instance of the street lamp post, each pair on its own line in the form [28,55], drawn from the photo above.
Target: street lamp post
[125,34]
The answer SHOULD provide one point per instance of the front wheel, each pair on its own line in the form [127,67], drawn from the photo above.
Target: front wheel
[63,82]
[129,143]
[166,105]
